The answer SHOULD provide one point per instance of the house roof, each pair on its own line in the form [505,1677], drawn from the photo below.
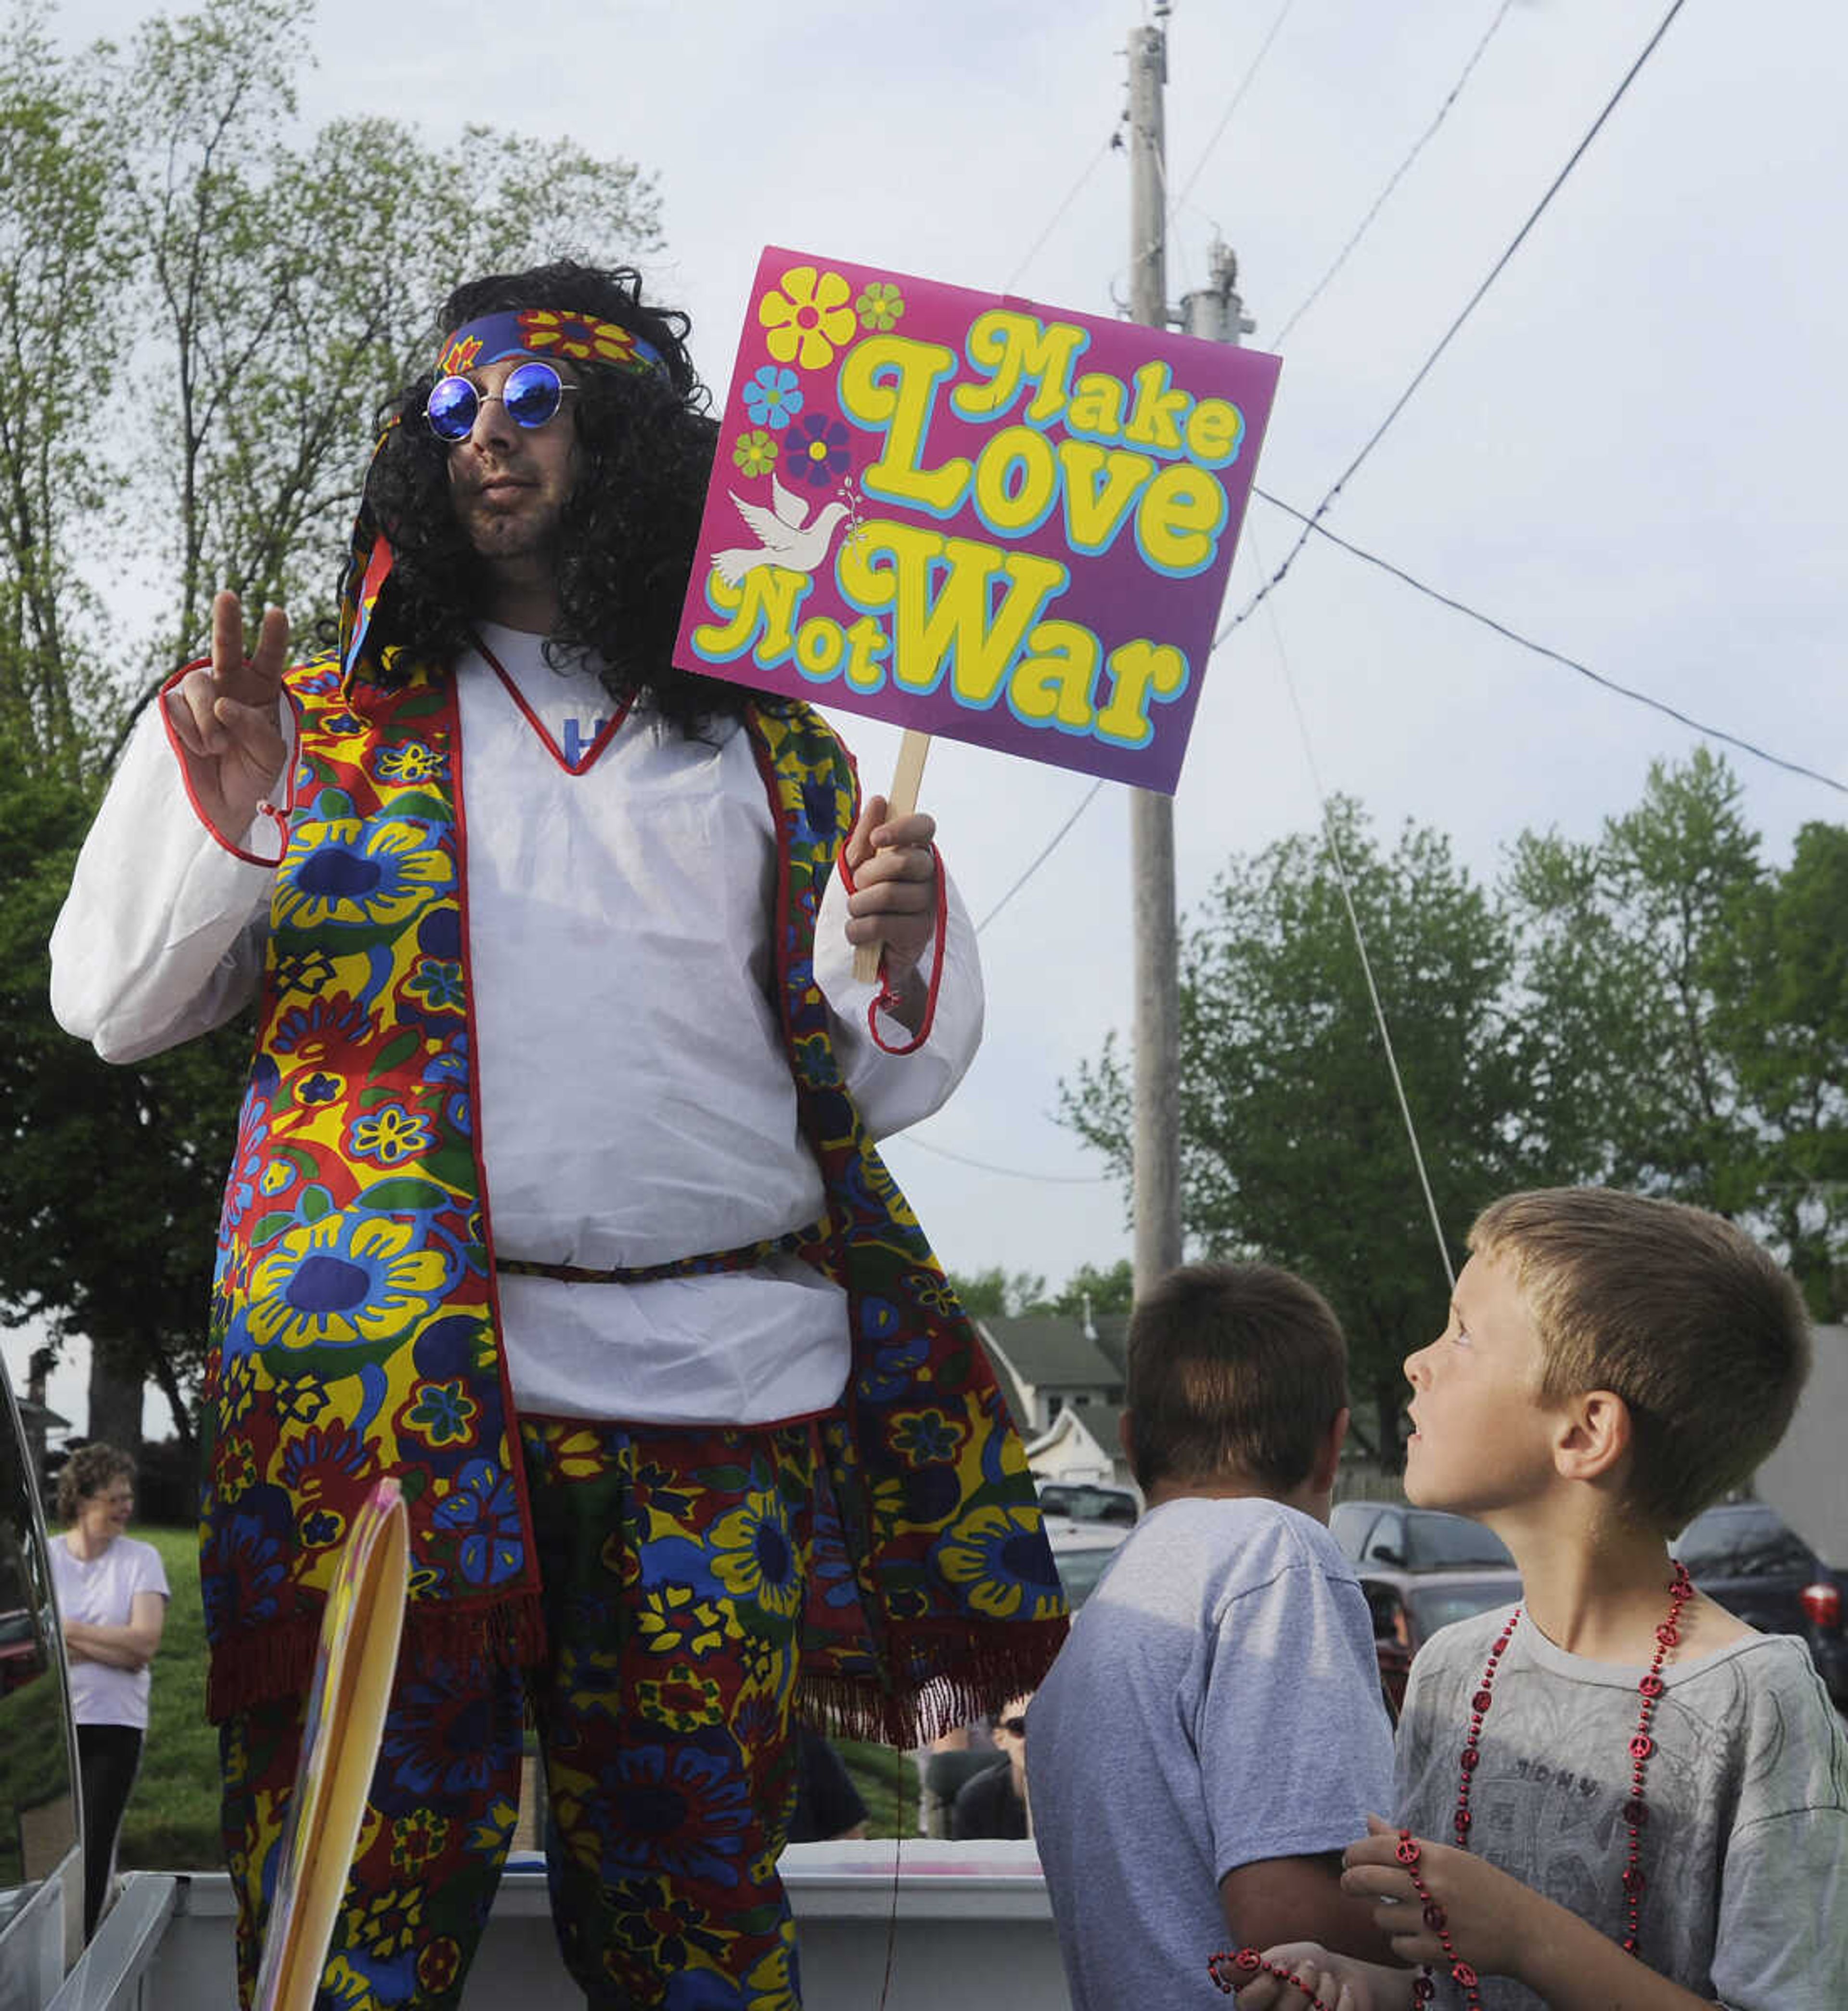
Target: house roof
[1048,1351]
[1069,1424]
[1011,1394]
[1105,1422]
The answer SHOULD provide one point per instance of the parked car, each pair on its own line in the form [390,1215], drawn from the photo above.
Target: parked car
[1420,1569]
[1081,1550]
[1088,1501]
[1743,1555]
[1415,1539]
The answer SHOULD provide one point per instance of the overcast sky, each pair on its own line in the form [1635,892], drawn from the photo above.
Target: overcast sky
[1628,454]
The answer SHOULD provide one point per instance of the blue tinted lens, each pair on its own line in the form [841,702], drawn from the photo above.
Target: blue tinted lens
[450,408]
[531,394]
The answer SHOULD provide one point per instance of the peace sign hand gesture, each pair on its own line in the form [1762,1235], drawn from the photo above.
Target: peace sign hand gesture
[223,719]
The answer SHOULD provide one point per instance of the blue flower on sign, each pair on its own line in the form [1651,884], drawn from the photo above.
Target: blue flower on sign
[772,397]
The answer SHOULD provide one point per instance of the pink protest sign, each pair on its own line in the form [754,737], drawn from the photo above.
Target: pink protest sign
[973,516]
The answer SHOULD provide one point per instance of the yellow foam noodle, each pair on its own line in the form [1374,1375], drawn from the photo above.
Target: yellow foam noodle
[353,1667]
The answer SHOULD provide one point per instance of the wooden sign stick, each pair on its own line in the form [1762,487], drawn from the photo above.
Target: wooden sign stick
[906,776]
[353,1681]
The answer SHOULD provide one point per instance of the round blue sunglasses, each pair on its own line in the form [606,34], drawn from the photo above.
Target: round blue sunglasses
[531,395]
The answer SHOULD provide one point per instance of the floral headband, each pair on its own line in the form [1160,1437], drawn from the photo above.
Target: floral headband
[548,332]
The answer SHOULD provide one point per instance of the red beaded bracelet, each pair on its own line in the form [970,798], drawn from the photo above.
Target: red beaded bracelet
[1232,1971]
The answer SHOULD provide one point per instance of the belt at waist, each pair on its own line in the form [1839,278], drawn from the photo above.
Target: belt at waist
[749,1256]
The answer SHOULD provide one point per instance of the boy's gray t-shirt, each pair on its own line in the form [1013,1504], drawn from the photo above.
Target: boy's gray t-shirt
[1218,1701]
[1745,1847]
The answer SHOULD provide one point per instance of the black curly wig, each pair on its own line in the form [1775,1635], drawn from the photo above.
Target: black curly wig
[630,527]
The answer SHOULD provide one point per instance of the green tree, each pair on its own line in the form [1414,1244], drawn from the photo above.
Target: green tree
[291,286]
[1111,1291]
[1780,1010]
[64,257]
[1630,943]
[995,1294]
[276,287]
[1293,1148]
[112,1176]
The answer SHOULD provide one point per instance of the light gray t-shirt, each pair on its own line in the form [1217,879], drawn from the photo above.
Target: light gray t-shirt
[1218,1701]
[1745,1847]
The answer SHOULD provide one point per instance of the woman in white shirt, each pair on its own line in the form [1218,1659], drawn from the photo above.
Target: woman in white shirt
[112,1600]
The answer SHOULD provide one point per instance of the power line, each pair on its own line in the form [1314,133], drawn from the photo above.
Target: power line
[1555,656]
[984,1166]
[1456,328]
[1090,169]
[1237,99]
[1398,174]
[1046,853]
[1007,1172]
[1359,935]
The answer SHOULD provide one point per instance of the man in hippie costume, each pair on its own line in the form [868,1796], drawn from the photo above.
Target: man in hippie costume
[555,1194]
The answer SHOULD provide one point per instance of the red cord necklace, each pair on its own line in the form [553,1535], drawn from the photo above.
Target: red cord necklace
[1232,1971]
[585,761]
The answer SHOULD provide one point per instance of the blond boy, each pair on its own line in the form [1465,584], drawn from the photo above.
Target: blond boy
[1656,1796]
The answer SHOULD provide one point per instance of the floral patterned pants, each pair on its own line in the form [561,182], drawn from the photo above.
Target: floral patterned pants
[675,1565]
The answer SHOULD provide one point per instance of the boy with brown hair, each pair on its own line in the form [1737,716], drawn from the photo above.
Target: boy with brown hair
[1643,1801]
[1213,1730]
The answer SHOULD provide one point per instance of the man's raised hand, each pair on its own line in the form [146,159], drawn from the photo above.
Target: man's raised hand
[223,719]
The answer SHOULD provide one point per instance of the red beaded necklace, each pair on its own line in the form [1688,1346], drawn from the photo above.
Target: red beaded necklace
[1232,1971]
[1635,1814]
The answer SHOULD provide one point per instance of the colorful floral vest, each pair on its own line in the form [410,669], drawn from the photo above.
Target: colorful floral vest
[354,1320]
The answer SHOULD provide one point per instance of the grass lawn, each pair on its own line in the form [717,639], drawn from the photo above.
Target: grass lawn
[172,1821]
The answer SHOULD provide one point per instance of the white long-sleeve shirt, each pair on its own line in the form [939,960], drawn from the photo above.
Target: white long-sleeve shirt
[636,1101]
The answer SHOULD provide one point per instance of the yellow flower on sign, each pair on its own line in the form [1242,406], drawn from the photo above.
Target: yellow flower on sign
[809,319]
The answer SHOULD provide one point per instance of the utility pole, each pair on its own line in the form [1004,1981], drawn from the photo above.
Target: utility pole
[1217,314]
[1155,1163]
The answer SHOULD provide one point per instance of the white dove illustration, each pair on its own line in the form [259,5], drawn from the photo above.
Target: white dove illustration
[784,535]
